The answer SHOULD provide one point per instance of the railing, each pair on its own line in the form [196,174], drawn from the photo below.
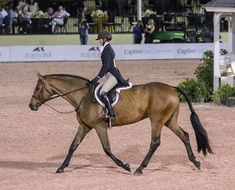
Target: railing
[117,24]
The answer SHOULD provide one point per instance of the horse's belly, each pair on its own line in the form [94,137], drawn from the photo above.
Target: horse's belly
[130,112]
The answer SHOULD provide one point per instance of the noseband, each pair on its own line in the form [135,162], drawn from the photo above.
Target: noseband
[41,94]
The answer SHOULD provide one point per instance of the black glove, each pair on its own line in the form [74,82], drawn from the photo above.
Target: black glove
[95,80]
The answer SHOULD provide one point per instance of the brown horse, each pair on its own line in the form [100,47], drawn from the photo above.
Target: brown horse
[157,101]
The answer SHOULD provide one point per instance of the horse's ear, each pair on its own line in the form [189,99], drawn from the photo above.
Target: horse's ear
[40,76]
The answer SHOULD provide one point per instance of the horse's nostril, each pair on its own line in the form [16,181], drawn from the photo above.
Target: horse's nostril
[33,107]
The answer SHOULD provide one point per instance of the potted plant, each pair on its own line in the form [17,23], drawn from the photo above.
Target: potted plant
[201,91]
[221,95]
[196,90]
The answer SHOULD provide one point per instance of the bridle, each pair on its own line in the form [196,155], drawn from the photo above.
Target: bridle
[51,97]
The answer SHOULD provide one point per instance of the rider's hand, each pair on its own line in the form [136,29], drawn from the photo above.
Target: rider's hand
[95,80]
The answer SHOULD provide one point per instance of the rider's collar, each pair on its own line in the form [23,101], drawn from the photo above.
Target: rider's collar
[102,47]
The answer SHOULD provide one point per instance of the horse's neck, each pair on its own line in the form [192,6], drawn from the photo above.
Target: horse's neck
[62,86]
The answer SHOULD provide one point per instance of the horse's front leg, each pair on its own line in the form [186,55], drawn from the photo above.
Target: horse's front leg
[81,133]
[103,136]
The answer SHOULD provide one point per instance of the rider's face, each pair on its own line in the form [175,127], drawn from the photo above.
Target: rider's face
[100,41]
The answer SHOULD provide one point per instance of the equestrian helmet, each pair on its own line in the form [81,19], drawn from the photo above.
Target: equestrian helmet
[104,35]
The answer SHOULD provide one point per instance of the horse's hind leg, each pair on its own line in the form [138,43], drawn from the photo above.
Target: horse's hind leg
[183,135]
[103,136]
[81,133]
[155,142]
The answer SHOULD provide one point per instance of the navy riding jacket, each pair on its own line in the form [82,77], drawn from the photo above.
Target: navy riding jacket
[108,65]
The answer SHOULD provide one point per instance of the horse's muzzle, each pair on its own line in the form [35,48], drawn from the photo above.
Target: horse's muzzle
[34,107]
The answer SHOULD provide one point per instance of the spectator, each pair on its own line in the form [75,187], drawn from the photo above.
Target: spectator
[147,15]
[84,30]
[49,12]
[10,18]
[58,18]
[149,31]
[137,31]
[48,16]
[80,8]
[100,18]
[33,7]
[25,21]
[22,4]
[88,14]
[15,23]
[3,20]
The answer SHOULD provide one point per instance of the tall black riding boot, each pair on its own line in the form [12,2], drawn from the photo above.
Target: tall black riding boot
[106,101]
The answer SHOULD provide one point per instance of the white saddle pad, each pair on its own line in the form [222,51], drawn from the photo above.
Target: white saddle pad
[117,92]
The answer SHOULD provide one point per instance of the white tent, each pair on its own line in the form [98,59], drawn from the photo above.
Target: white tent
[222,8]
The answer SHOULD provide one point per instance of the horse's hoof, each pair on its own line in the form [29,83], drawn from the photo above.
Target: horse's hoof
[198,165]
[127,167]
[60,170]
[138,173]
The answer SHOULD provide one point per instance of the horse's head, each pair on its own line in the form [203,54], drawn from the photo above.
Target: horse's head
[41,94]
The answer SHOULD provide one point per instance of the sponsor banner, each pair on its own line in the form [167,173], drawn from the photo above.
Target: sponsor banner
[4,54]
[191,51]
[161,51]
[92,52]
[36,53]
[82,53]
[144,51]
[54,53]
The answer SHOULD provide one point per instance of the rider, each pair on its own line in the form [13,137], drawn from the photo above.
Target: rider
[108,69]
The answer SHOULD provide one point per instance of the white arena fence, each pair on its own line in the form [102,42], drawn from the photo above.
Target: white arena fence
[92,52]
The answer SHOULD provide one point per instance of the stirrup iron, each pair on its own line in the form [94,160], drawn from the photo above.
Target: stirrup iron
[110,123]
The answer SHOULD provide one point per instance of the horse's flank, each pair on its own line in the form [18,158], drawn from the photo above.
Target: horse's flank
[146,100]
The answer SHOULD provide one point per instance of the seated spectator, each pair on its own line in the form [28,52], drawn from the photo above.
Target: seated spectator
[147,15]
[3,19]
[88,14]
[15,20]
[10,18]
[58,18]
[25,21]
[22,4]
[40,14]
[48,16]
[49,12]
[99,17]
[79,4]
[33,7]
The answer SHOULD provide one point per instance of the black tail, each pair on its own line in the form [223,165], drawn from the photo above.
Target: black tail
[201,134]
